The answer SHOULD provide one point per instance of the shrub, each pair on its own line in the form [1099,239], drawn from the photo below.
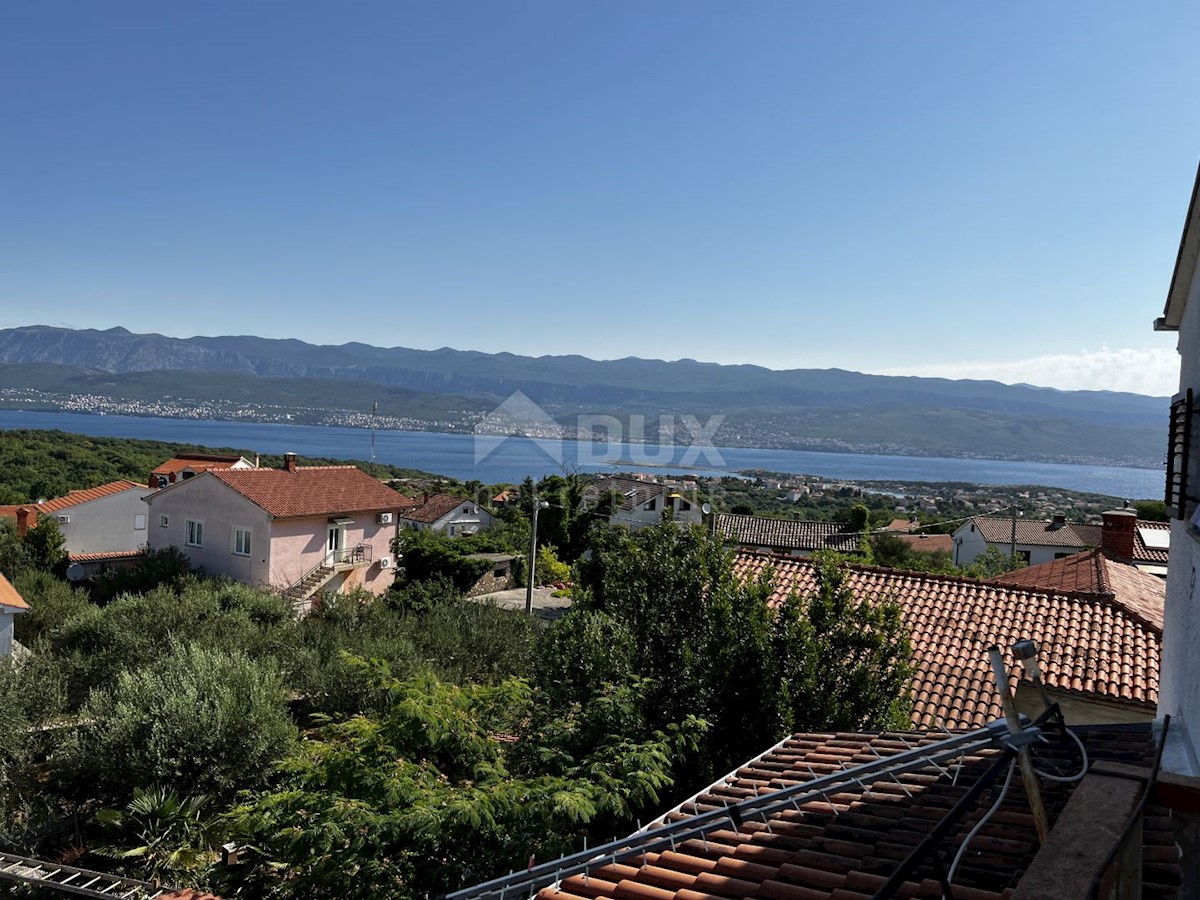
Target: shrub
[202,719]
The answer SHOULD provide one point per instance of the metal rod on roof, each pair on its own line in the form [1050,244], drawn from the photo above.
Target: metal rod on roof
[993,735]
[1032,789]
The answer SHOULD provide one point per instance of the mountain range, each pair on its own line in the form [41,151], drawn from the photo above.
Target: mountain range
[798,408]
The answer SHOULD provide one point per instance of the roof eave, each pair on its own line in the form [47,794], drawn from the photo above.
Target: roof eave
[1185,267]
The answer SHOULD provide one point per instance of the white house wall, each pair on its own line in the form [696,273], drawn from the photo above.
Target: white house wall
[1179,679]
[106,524]
[220,509]
[6,633]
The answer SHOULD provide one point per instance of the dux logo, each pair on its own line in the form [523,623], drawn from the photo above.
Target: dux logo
[518,416]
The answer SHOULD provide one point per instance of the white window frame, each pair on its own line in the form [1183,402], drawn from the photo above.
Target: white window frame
[162,521]
[241,540]
[193,533]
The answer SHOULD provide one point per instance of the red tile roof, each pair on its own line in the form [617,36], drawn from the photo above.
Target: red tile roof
[309,490]
[1094,572]
[433,508]
[1088,643]
[927,543]
[847,847]
[784,534]
[998,530]
[101,557]
[74,498]
[9,598]
[1144,554]
[195,461]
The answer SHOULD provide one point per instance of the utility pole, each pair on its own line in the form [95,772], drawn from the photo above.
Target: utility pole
[1012,543]
[537,504]
[374,410]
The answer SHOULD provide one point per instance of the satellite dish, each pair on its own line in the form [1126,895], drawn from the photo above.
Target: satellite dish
[74,572]
[706,508]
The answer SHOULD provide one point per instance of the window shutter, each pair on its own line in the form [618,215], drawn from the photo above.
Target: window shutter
[1179,448]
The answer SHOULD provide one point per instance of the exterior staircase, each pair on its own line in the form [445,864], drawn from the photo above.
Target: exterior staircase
[302,591]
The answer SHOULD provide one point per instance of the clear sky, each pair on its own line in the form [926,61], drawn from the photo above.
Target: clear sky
[968,189]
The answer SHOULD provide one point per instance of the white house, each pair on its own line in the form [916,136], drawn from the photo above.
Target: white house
[299,529]
[453,516]
[183,466]
[641,503]
[1179,685]
[109,519]
[1144,544]
[11,605]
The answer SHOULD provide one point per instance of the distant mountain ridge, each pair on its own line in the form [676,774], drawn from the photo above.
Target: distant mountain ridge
[572,384]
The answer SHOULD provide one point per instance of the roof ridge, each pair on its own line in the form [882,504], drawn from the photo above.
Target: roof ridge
[1102,598]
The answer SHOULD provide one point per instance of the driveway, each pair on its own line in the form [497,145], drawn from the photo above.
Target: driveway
[545,606]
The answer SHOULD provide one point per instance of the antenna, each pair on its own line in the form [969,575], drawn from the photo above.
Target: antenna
[374,410]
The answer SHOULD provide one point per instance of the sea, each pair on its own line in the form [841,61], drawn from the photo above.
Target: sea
[494,460]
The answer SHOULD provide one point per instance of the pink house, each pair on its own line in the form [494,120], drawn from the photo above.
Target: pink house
[297,530]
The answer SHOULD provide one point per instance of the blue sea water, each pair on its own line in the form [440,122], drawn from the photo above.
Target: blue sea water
[492,460]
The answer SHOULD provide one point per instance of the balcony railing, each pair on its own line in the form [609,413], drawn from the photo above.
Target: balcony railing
[349,556]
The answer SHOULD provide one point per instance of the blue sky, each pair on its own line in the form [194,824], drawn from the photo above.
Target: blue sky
[983,190]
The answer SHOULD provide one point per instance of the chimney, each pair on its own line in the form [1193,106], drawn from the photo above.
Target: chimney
[289,462]
[26,519]
[1120,529]
[1059,521]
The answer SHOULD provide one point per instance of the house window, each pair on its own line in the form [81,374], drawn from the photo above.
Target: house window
[1023,555]
[241,542]
[162,521]
[684,506]
[139,522]
[652,505]
[195,533]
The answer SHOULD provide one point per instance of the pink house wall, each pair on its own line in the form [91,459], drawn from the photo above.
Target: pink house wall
[298,546]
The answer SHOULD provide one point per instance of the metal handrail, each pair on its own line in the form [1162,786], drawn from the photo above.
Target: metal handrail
[360,553]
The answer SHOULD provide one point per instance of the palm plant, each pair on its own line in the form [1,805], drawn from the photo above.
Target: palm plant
[161,833]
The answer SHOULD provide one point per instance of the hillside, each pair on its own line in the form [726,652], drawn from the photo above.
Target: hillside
[801,408]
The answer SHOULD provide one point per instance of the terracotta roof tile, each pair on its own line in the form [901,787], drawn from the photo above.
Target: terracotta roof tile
[9,598]
[812,853]
[1093,571]
[308,491]
[1088,642]
[195,461]
[101,557]
[74,498]
[784,534]
[433,508]
[928,543]
[998,530]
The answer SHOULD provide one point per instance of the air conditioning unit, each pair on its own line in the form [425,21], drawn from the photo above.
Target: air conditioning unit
[63,520]
[385,562]
[385,518]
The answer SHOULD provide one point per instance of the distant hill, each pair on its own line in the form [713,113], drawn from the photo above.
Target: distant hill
[804,408]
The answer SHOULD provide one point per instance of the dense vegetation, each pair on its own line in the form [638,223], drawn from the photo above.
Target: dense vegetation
[406,745]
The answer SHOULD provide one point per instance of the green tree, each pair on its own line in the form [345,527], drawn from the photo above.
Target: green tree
[1152,510]
[424,798]
[993,563]
[709,644]
[46,545]
[858,518]
[201,719]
